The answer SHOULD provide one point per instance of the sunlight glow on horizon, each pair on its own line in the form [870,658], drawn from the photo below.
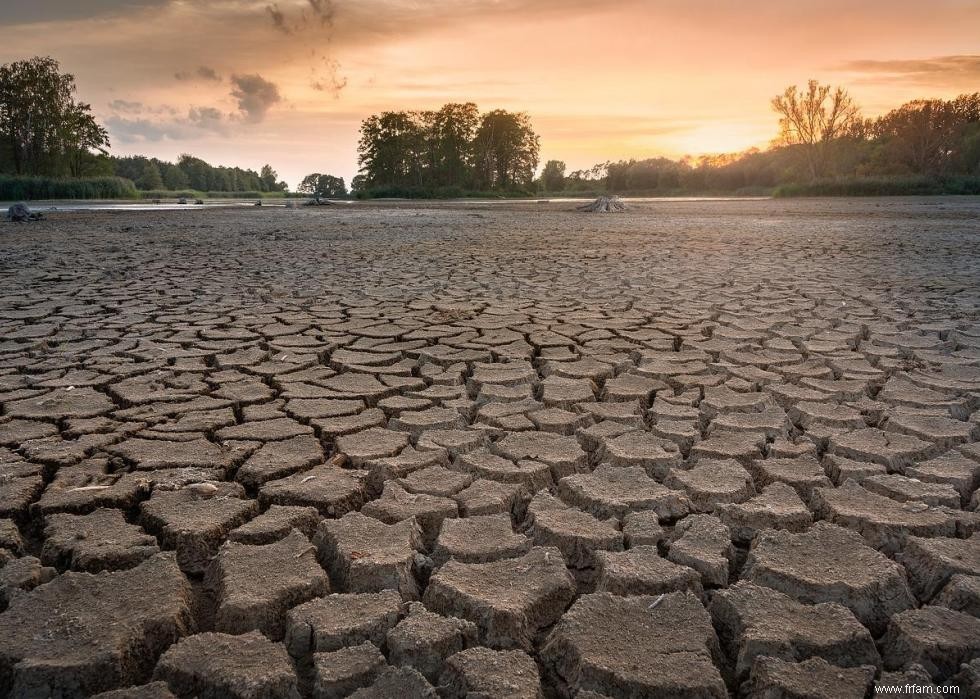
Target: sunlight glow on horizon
[601,82]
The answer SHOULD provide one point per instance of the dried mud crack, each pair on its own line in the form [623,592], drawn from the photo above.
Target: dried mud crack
[696,449]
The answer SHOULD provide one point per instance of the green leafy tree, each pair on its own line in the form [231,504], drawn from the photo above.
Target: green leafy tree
[174,178]
[359,185]
[553,176]
[392,149]
[452,148]
[45,131]
[309,184]
[196,171]
[323,186]
[451,133]
[928,136]
[150,178]
[270,180]
[331,187]
[505,150]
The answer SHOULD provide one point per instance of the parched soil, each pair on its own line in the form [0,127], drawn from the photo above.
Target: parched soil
[695,449]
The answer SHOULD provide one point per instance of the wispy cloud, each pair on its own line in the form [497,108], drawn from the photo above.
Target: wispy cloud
[134,122]
[941,70]
[278,18]
[126,106]
[205,73]
[326,77]
[158,125]
[48,10]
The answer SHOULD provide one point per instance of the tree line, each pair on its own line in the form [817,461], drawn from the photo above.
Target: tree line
[824,146]
[446,152]
[190,173]
[45,132]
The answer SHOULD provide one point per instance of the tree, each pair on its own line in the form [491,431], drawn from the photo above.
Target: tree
[553,176]
[392,149]
[150,178]
[813,120]
[174,178]
[358,185]
[326,186]
[452,148]
[927,136]
[451,139]
[309,184]
[45,131]
[505,150]
[196,171]
[331,187]
[269,178]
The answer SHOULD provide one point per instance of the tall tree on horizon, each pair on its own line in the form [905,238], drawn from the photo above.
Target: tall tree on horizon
[505,150]
[451,133]
[553,176]
[319,185]
[813,119]
[929,136]
[43,129]
[454,147]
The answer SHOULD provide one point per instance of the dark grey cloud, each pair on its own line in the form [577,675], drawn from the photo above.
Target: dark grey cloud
[255,96]
[29,11]
[202,73]
[938,70]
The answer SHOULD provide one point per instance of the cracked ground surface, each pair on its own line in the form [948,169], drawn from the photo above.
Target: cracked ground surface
[699,449]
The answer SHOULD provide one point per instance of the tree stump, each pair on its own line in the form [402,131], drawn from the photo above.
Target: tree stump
[604,205]
[21,213]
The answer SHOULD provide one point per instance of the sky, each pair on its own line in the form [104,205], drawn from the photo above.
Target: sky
[248,82]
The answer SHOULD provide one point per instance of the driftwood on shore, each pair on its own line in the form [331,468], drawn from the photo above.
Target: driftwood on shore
[604,205]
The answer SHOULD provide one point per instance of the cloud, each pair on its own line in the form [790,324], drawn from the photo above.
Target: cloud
[126,107]
[941,70]
[324,10]
[278,19]
[58,10]
[207,118]
[255,96]
[202,73]
[143,130]
[134,122]
[313,13]
[326,77]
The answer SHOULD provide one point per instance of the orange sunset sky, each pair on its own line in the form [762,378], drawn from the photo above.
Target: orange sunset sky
[242,82]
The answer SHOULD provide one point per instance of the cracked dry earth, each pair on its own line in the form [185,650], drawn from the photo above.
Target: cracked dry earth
[699,449]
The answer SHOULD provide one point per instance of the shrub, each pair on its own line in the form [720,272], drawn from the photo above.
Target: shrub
[32,188]
[193,194]
[882,187]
